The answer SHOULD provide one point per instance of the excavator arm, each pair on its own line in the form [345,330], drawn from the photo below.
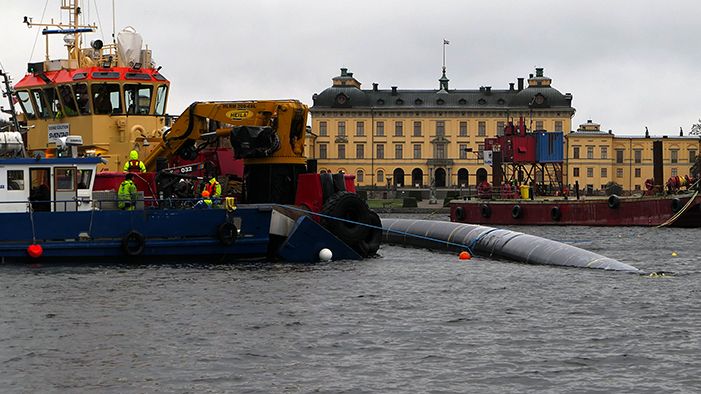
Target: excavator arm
[248,123]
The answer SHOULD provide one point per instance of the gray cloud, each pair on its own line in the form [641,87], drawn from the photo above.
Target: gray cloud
[627,64]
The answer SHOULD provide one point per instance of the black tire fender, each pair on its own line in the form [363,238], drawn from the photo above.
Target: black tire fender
[227,233]
[614,201]
[555,213]
[516,211]
[371,244]
[460,213]
[485,210]
[133,243]
[354,211]
[676,205]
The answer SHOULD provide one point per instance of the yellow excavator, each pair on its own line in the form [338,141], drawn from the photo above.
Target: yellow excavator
[268,136]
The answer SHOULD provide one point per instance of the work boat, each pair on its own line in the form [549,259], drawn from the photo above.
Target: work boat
[52,212]
[83,118]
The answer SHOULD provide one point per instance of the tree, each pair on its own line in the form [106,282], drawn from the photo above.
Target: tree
[696,128]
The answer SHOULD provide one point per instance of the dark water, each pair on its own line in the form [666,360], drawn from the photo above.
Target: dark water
[410,321]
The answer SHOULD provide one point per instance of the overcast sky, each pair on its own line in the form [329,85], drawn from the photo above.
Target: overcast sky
[628,64]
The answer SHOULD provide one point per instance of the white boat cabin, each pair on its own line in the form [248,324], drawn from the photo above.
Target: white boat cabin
[53,184]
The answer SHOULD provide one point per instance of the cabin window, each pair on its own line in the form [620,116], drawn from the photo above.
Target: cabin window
[40,101]
[106,99]
[70,108]
[65,179]
[82,98]
[84,179]
[53,102]
[26,103]
[161,94]
[138,99]
[15,180]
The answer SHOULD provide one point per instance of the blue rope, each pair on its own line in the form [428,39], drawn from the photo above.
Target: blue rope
[468,247]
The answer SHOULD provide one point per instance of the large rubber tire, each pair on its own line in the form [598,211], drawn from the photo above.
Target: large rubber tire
[555,213]
[133,243]
[371,244]
[350,207]
[516,211]
[485,210]
[227,233]
[460,214]
[676,205]
[614,201]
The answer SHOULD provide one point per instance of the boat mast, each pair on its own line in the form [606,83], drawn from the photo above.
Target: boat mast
[72,31]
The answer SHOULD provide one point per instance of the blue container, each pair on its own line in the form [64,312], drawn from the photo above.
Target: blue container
[550,147]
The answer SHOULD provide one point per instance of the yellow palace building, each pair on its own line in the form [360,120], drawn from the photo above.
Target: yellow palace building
[417,138]
[595,157]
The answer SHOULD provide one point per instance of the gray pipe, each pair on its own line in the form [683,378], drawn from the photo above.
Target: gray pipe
[489,241]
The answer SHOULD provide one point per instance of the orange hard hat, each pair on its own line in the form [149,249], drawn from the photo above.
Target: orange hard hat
[205,193]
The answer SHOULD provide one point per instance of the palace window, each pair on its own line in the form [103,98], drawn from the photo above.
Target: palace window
[637,172]
[399,151]
[360,151]
[480,151]
[575,152]
[323,151]
[619,172]
[463,151]
[341,151]
[380,129]
[604,172]
[323,129]
[398,129]
[539,125]
[417,129]
[692,155]
[341,128]
[604,152]
[674,171]
[359,176]
[590,152]
[558,125]
[481,129]
[674,156]
[590,172]
[638,156]
[500,128]
[380,151]
[619,157]
[575,171]
[360,129]
[440,128]
[463,129]
[380,176]
[417,151]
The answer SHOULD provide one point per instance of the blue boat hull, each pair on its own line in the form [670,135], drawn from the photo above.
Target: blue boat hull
[101,234]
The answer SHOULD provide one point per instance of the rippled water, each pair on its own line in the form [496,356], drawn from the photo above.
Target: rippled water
[410,321]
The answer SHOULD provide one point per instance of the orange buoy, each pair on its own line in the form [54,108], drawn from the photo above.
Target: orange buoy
[35,251]
[464,255]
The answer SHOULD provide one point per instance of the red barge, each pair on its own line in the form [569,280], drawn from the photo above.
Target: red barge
[523,162]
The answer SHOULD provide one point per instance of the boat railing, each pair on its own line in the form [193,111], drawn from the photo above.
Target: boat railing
[74,205]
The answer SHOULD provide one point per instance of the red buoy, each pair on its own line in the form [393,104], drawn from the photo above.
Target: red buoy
[464,255]
[35,251]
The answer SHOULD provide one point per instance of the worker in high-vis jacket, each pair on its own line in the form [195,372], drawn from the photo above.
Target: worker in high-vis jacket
[213,188]
[127,194]
[134,164]
[205,202]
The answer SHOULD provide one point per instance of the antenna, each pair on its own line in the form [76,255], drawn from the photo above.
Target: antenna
[114,23]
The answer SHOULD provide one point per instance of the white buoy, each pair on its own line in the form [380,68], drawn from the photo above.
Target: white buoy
[325,254]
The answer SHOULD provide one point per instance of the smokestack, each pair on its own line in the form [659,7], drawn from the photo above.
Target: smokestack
[394,90]
[520,84]
[374,86]
[511,86]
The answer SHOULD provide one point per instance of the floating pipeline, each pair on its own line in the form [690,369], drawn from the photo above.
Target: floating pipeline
[489,241]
